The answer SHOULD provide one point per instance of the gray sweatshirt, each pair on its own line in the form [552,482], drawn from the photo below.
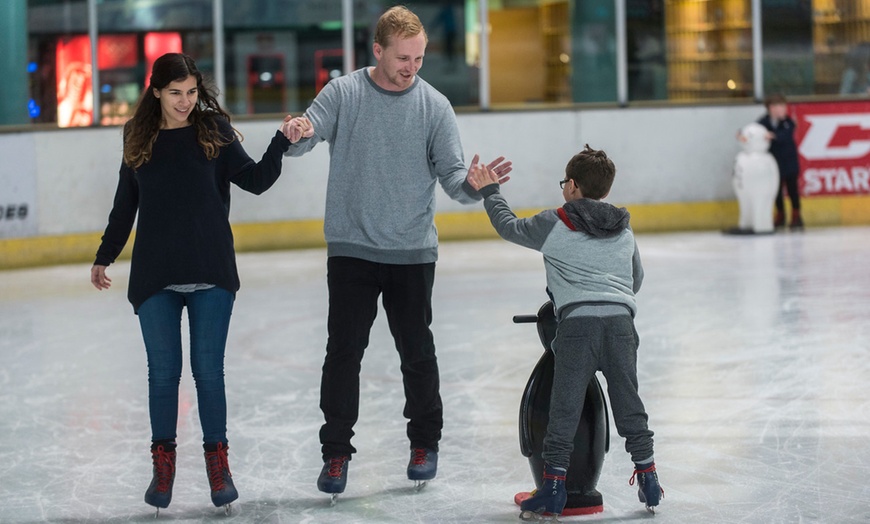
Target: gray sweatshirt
[387,151]
[590,254]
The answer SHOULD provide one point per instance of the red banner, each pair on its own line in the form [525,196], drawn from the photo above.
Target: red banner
[75,101]
[834,147]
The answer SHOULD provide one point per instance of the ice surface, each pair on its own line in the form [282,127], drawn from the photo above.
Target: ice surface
[754,366]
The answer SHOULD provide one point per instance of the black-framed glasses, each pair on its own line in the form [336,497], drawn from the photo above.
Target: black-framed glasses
[562,183]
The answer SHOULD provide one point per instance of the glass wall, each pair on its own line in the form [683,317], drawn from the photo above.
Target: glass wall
[275,55]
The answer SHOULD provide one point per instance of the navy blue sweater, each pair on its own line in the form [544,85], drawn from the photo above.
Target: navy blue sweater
[183,234]
[783,147]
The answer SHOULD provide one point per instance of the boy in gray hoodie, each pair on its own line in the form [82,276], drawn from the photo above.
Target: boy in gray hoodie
[593,272]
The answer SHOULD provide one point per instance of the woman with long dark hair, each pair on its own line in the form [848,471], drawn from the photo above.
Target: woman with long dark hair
[180,156]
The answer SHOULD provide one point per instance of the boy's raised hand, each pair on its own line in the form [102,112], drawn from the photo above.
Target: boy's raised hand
[481,176]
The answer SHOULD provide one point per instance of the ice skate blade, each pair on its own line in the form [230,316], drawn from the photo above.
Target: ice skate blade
[651,509]
[531,516]
[228,509]
[333,498]
[157,513]
[419,485]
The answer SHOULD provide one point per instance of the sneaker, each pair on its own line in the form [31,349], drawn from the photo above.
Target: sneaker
[423,464]
[648,489]
[551,498]
[333,476]
[223,491]
[159,493]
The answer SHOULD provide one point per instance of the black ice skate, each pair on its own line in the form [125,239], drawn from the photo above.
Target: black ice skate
[223,491]
[547,502]
[159,493]
[422,467]
[648,489]
[333,476]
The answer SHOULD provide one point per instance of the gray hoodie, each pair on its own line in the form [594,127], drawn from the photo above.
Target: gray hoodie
[590,253]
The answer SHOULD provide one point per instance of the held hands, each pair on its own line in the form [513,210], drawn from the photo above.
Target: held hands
[494,172]
[99,278]
[297,128]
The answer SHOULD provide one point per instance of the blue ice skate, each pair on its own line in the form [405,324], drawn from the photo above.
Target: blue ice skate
[333,476]
[648,489]
[220,480]
[422,466]
[159,492]
[550,499]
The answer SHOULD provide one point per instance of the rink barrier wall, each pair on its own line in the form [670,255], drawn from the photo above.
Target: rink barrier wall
[452,226]
[674,168]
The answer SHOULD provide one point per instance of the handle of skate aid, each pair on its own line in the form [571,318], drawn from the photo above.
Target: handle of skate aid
[525,319]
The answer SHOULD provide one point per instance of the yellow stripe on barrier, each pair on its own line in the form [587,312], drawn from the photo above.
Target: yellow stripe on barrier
[472,225]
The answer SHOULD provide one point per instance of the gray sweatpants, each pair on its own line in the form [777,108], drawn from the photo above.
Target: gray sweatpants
[584,344]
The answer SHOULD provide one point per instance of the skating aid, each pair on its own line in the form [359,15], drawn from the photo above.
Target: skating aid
[591,440]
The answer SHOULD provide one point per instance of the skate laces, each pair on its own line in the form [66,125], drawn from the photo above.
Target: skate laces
[163,468]
[650,469]
[217,463]
[548,476]
[419,457]
[335,466]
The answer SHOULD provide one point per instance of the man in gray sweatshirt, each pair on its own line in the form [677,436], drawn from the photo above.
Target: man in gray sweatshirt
[392,137]
[593,272]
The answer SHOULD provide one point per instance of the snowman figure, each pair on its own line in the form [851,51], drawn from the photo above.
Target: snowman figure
[755,180]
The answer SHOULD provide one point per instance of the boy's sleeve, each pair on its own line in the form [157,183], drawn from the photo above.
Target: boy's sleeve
[636,270]
[528,232]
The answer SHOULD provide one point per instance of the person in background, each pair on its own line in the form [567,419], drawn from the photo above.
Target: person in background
[180,157]
[392,137]
[784,150]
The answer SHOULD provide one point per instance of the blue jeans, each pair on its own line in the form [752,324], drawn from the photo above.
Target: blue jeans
[208,314]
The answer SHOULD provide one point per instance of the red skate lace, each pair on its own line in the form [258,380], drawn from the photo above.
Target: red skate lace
[553,477]
[419,457]
[651,469]
[335,466]
[163,468]
[216,463]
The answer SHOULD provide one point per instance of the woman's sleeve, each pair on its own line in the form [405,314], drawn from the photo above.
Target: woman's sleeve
[121,218]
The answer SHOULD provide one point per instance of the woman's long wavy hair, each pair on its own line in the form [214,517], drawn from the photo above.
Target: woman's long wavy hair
[141,131]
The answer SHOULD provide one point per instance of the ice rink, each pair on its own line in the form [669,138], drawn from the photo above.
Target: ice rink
[754,366]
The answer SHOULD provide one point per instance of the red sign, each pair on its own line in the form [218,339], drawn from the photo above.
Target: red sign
[834,147]
[75,101]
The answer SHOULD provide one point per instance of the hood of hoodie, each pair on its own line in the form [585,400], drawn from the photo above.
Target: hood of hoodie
[594,217]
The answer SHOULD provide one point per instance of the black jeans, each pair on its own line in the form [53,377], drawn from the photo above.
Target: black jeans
[354,286]
[790,183]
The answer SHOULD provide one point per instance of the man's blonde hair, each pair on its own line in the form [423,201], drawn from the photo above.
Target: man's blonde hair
[398,21]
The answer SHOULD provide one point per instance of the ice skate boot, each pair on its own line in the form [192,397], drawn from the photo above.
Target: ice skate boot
[548,502]
[797,223]
[159,493]
[648,489]
[422,467]
[220,480]
[333,477]
[779,219]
